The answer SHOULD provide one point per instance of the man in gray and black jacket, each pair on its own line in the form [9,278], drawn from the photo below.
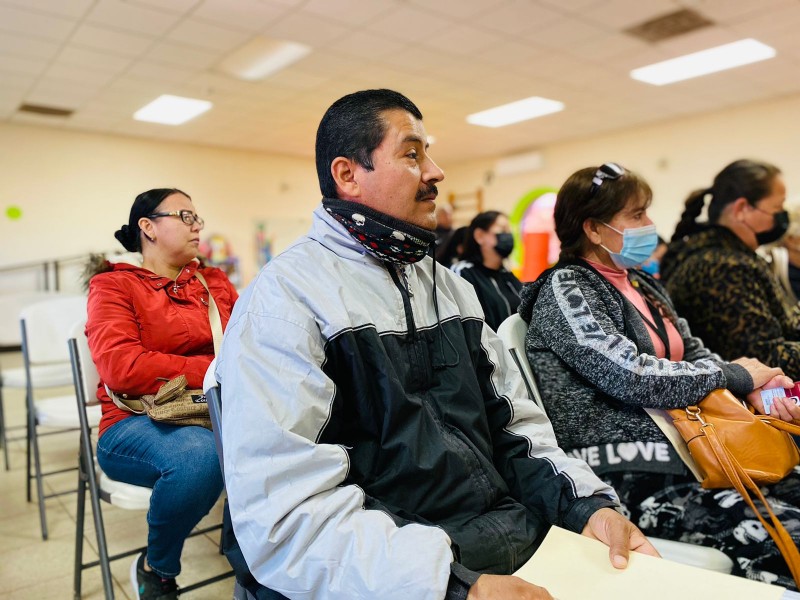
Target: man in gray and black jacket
[378,441]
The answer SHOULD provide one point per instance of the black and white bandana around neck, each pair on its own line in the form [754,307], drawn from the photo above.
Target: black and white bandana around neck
[386,238]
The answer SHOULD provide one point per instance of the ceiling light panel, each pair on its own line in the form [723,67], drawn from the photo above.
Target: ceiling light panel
[514,112]
[172,110]
[261,57]
[720,58]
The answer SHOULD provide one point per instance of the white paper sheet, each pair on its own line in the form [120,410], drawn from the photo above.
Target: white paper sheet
[574,567]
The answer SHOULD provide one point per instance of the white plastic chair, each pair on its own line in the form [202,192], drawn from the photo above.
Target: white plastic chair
[47,375]
[512,331]
[100,486]
[45,328]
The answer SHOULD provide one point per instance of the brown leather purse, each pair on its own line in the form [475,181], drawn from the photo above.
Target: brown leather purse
[732,447]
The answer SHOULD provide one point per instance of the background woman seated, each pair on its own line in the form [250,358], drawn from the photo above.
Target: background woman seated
[487,243]
[147,324]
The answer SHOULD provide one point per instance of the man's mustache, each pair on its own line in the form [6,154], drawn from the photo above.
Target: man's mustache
[428,190]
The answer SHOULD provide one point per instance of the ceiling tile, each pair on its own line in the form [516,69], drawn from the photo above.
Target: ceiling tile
[565,33]
[409,24]
[73,9]
[519,18]
[306,28]
[111,40]
[353,13]
[27,46]
[731,11]
[49,27]
[20,65]
[68,97]
[205,35]
[152,71]
[64,74]
[16,82]
[462,9]
[621,14]
[132,17]
[700,39]
[174,6]
[572,6]
[249,15]
[182,55]
[463,40]
[362,44]
[91,59]
[608,47]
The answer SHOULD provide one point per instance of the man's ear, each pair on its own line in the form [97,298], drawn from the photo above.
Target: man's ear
[343,172]
[591,229]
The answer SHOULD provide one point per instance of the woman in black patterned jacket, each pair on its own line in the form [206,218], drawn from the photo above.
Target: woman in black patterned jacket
[606,343]
[728,293]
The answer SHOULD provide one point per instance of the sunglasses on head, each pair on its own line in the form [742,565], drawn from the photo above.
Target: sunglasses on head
[610,171]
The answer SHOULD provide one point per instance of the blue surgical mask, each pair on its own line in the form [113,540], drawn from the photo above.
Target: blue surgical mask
[638,243]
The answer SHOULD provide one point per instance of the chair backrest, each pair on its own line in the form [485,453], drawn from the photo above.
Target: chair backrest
[86,384]
[46,328]
[214,399]
[512,331]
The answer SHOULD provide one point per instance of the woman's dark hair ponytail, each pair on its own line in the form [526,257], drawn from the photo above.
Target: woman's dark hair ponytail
[750,179]
[692,209]
[146,203]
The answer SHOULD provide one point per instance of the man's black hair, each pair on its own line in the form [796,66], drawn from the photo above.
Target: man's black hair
[353,127]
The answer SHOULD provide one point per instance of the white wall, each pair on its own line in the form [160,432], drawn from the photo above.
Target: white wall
[675,157]
[75,189]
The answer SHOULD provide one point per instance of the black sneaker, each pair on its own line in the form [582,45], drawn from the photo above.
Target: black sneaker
[147,584]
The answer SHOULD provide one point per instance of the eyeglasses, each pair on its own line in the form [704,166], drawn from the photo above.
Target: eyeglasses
[186,216]
[610,171]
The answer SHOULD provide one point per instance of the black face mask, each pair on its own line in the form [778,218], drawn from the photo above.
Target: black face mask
[505,244]
[781,224]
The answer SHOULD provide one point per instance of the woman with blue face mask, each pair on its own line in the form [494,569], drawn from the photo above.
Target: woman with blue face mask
[488,242]
[606,343]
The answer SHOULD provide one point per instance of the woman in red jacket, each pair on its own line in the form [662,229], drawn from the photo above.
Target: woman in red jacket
[146,324]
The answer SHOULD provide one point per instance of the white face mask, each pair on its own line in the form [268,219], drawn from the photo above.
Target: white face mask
[638,243]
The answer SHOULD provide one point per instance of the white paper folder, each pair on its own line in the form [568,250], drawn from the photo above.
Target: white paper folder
[575,567]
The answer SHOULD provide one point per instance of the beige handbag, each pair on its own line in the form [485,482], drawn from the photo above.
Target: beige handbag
[173,403]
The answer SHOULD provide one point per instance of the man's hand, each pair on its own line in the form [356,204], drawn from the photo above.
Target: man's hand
[500,587]
[619,534]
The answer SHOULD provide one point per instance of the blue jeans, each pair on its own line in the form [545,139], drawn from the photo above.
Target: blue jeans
[180,463]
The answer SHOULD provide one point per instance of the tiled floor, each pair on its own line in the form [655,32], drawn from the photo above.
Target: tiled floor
[34,569]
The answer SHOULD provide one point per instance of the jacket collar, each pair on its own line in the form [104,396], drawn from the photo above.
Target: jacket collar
[158,281]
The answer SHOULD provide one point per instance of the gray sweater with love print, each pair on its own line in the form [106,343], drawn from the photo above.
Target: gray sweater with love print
[596,368]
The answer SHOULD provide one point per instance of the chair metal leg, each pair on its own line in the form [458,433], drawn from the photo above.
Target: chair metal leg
[79,529]
[28,446]
[99,528]
[33,445]
[3,440]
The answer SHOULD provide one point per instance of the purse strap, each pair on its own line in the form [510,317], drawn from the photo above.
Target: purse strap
[213,315]
[749,490]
